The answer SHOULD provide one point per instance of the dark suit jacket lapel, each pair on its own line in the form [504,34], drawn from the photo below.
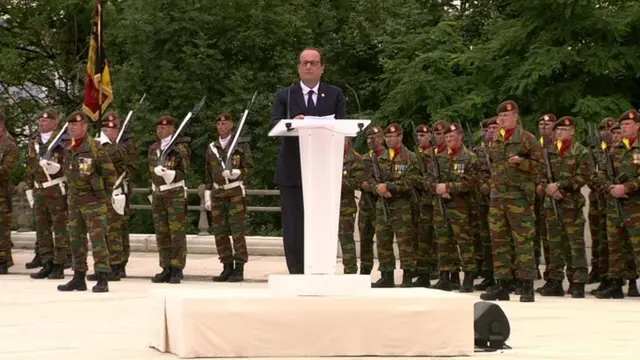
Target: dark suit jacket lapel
[320,102]
[297,100]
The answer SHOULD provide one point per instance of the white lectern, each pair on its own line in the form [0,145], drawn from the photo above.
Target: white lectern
[321,159]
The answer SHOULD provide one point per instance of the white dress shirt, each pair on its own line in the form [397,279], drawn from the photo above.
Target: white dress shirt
[305,92]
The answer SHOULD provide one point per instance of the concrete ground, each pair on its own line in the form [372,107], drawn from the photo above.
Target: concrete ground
[38,322]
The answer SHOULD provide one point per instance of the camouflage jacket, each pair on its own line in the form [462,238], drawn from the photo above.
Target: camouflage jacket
[215,158]
[90,173]
[35,172]
[482,185]
[350,183]
[515,180]
[178,159]
[459,173]
[361,170]
[425,192]
[571,171]
[400,173]
[9,155]
[626,168]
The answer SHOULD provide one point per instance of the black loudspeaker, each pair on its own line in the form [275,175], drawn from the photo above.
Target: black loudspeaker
[491,327]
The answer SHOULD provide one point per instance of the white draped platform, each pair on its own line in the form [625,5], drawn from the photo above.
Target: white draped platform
[241,322]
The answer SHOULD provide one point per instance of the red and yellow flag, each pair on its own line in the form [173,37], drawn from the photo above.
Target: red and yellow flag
[98,93]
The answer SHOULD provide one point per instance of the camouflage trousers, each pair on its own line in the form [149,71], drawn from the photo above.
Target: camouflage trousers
[566,246]
[400,224]
[425,246]
[5,232]
[440,232]
[599,246]
[115,242]
[623,252]
[482,243]
[455,243]
[228,219]
[541,239]
[366,227]
[512,225]
[92,219]
[51,209]
[346,229]
[169,218]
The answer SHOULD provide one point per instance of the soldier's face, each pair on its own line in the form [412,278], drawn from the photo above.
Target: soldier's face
[616,135]
[563,133]
[545,127]
[492,130]
[224,127]
[77,130]
[424,139]
[164,130]
[439,137]
[453,139]
[111,133]
[47,125]
[375,141]
[393,140]
[629,128]
[508,119]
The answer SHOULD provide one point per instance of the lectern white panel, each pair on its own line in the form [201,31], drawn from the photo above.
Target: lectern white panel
[321,157]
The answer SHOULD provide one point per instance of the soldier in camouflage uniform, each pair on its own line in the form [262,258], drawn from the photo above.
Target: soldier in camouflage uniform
[348,209]
[545,127]
[114,233]
[426,256]
[9,155]
[368,197]
[570,165]
[625,160]
[225,197]
[91,177]
[516,159]
[490,129]
[168,200]
[459,167]
[398,172]
[48,196]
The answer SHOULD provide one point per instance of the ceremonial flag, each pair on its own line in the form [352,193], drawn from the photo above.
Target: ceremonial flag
[98,93]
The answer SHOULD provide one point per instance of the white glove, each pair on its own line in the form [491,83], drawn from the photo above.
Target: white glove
[29,194]
[150,197]
[49,166]
[234,174]
[118,202]
[159,170]
[207,200]
[226,174]
[168,176]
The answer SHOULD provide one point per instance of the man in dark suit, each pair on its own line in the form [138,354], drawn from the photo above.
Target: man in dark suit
[307,97]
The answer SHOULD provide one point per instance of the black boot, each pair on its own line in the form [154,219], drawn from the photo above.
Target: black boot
[603,285]
[500,291]
[594,275]
[613,290]
[407,278]
[467,282]
[554,289]
[422,280]
[578,291]
[238,273]
[386,280]
[44,272]
[123,270]
[455,280]
[92,277]
[162,277]
[35,263]
[444,283]
[528,295]
[486,282]
[632,291]
[570,288]
[76,283]
[4,268]
[114,274]
[102,285]
[546,285]
[227,270]
[57,272]
[176,276]
[365,270]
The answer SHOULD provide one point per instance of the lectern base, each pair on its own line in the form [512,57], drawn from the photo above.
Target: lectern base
[320,285]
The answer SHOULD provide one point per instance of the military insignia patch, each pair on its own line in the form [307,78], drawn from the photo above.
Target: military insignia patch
[45,116]
[236,160]
[452,127]
[546,118]
[509,107]
[84,165]
[632,115]
[78,117]
[392,129]
[636,158]
[566,122]
[375,130]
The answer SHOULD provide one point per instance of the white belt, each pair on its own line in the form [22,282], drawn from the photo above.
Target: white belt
[58,181]
[228,186]
[168,186]
[125,186]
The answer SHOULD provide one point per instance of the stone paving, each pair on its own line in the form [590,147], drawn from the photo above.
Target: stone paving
[38,322]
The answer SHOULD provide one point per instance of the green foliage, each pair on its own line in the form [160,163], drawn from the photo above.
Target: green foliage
[397,61]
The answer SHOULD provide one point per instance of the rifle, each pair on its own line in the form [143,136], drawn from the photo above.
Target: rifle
[377,174]
[45,153]
[128,120]
[614,179]
[436,169]
[236,136]
[547,165]
[193,113]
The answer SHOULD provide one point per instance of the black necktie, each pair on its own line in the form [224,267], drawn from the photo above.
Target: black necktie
[311,107]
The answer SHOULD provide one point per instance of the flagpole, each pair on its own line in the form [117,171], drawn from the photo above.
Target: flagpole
[100,62]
